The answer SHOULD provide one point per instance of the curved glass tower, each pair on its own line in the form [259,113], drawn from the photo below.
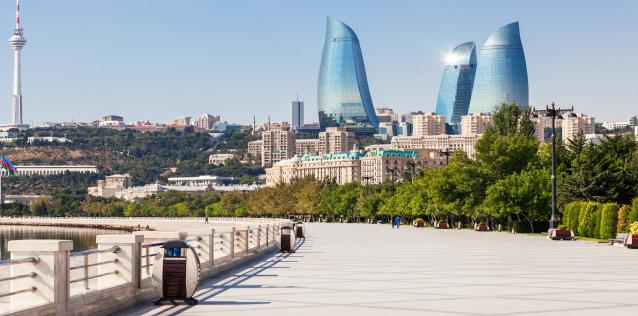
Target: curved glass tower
[455,91]
[343,94]
[501,74]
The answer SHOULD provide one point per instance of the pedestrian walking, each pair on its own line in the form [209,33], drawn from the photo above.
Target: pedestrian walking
[397,221]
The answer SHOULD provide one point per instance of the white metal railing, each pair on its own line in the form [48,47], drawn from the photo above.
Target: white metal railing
[33,260]
[121,260]
[85,266]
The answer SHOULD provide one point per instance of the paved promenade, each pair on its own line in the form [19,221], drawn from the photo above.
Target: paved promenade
[355,269]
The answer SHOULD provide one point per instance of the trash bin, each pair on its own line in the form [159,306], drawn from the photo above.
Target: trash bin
[300,230]
[176,272]
[287,239]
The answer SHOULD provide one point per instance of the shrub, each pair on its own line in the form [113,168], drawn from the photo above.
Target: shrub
[562,227]
[587,219]
[608,220]
[571,214]
[623,219]
[633,215]
[521,227]
[633,228]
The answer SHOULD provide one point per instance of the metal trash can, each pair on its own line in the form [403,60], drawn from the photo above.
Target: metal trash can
[176,272]
[287,239]
[300,230]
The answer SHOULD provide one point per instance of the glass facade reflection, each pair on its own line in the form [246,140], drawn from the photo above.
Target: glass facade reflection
[343,94]
[455,91]
[501,74]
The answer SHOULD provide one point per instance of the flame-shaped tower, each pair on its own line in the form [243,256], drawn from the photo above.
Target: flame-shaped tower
[17,42]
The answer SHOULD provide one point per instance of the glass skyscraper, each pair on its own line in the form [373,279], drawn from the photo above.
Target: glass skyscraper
[501,74]
[455,91]
[343,94]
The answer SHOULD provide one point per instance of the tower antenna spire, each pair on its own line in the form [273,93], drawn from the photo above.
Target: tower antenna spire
[18,14]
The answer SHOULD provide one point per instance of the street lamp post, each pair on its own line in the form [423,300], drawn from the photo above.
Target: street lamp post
[446,152]
[553,113]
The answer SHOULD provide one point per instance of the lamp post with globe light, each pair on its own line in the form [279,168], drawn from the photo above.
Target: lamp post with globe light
[553,113]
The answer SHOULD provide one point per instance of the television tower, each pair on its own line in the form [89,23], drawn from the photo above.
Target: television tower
[17,42]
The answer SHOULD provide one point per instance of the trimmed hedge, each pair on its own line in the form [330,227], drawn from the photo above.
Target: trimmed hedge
[592,219]
[623,215]
[608,220]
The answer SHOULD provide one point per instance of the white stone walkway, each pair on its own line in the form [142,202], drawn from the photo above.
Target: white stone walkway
[357,269]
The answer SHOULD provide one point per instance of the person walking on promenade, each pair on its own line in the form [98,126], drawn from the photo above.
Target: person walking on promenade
[397,221]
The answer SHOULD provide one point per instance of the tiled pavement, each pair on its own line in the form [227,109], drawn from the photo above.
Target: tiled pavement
[357,269]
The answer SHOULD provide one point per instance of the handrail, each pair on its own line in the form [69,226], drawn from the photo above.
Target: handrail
[197,238]
[94,276]
[93,264]
[31,289]
[152,245]
[33,259]
[28,275]
[113,249]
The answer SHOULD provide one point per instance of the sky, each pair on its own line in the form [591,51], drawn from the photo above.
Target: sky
[162,59]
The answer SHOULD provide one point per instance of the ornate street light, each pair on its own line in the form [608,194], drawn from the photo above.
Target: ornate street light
[553,113]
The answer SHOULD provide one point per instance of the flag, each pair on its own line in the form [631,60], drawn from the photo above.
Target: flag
[6,165]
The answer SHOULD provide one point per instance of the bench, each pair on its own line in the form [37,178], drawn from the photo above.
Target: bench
[620,238]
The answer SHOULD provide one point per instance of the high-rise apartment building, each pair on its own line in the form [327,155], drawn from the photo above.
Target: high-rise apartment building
[278,143]
[428,124]
[343,96]
[335,140]
[206,121]
[474,123]
[577,124]
[455,92]
[407,117]
[501,73]
[297,112]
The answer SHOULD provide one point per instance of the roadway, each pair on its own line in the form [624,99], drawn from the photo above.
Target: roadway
[358,269]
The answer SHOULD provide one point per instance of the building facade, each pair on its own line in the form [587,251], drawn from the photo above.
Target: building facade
[297,111]
[501,73]
[180,122]
[427,124]
[220,159]
[385,115]
[579,124]
[255,148]
[278,143]
[448,143]
[30,170]
[110,185]
[341,168]
[306,147]
[379,166]
[343,94]
[206,121]
[455,91]
[335,140]
[474,123]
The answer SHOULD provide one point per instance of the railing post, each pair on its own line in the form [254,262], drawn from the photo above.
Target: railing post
[232,243]
[212,248]
[267,226]
[202,241]
[258,237]
[247,238]
[52,273]
[127,260]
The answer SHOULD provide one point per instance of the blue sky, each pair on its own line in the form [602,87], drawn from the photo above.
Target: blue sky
[160,59]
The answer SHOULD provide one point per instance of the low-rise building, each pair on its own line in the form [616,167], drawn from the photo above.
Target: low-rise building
[29,170]
[448,143]
[204,181]
[220,159]
[110,185]
[379,166]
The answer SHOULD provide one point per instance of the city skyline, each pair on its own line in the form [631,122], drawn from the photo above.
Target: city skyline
[119,65]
